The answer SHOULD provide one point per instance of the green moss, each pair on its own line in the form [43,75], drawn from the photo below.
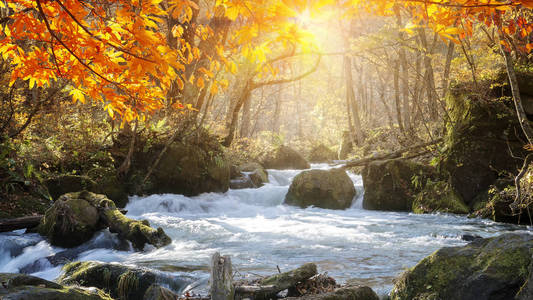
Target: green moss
[499,265]
[127,283]
[438,196]
[137,232]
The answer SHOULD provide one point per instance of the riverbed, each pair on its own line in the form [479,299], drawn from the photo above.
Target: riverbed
[261,234]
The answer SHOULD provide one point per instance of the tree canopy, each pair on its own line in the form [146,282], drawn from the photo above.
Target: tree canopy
[139,56]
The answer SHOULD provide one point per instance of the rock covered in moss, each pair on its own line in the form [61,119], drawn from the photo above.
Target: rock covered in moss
[157,292]
[71,221]
[392,184]
[332,189]
[483,140]
[285,158]
[494,268]
[106,183]
[322,154]
[26,287]
[120,281]
[75,217]
[498,205]
[438,196]
[256,172]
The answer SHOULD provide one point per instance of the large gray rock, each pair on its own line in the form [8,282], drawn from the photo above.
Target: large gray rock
[494,268]
[26,287]
[332,189]
[391,185]
[285,158]
[120,281]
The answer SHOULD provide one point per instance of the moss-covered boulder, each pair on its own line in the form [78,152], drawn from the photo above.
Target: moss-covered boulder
[75,217]
[251,175]
[332,189]
[391,185]
[321,154]
[105,182]
[71,221]
[67,183]
[438,196]
[121,282]
[256,172]
[192,164]
[499,206]
[190,170]
[483,140]
[26,287]
[494,268]
[285,158]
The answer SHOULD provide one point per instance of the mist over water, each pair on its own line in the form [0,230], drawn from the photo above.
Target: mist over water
[260,233]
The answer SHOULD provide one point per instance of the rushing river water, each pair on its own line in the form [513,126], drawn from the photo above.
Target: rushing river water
[260,233]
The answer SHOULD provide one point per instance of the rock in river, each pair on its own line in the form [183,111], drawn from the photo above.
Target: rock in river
[493,268]
[26,287]
[332,189]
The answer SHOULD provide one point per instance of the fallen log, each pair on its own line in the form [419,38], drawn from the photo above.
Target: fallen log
[28,222]
[270,286]
[20,223]
[396,154]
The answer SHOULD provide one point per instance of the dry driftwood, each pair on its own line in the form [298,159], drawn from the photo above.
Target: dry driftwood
[19,223]
[270,286]
[221,278]
[391,155]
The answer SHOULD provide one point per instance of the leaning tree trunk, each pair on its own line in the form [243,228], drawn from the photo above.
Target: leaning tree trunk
[245,118]
[245,96]
[515,90]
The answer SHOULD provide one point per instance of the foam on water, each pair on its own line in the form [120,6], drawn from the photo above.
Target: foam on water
[260,233]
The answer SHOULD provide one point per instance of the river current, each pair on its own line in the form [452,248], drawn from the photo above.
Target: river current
[261,233]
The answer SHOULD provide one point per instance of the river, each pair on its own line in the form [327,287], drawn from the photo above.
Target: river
[261,234]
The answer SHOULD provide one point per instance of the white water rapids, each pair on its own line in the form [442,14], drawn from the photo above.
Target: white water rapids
[260,233]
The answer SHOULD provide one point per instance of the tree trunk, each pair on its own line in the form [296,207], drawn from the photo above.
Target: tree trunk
[447,67]
[245,118]
[246,94]
[405,72]
[430,77]
[520,112]
[397,95]
[350,98]
[19,223]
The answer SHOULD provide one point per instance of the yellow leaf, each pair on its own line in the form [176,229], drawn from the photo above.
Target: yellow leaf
[177,31]
[200,82]
[77,95]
